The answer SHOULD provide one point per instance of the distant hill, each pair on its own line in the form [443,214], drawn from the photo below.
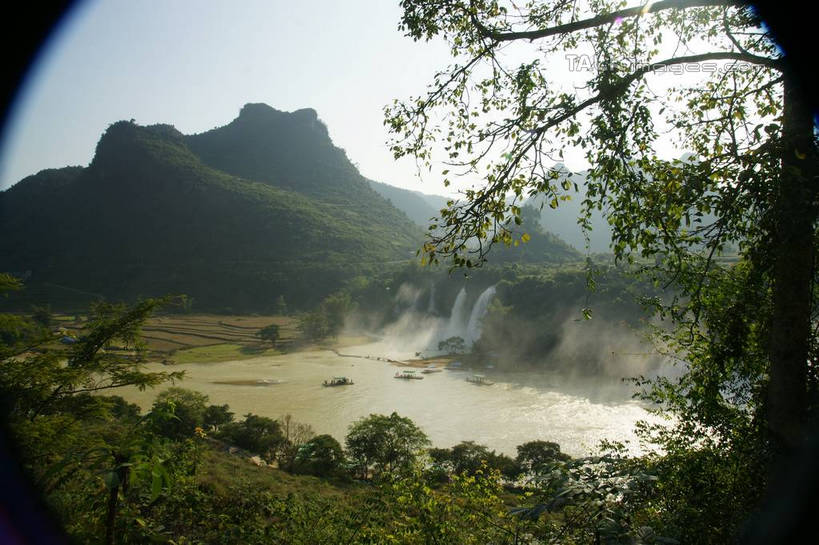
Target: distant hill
[562,221]
[235,217]
[418,206]
[542,246]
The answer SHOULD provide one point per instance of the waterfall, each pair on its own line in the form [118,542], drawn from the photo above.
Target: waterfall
[473,328]
[416,302]
[431,304]
[457,318]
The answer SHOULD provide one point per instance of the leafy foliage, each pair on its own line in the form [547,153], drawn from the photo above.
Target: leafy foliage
[258,434]
[52,380]
[534,455]
[269,333]
[746,393]
[328,319]
[452,345]
[384,444]
[321,456]
[178,412]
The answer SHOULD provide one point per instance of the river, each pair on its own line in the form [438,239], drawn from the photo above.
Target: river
[574,412]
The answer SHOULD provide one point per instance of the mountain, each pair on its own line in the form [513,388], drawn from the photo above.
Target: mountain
[234,217]
[542,246]
[562,221]
[419,207]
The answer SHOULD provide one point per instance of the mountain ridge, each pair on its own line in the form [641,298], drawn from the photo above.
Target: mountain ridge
[156,218]
[236,216]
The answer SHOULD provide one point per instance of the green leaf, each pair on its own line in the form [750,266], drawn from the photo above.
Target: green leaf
[111,480]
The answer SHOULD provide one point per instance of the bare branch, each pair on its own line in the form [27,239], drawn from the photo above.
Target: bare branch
[600,20]
[623,84]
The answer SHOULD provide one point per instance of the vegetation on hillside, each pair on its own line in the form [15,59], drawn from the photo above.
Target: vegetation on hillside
[111,474]
[149,217]
[745,399]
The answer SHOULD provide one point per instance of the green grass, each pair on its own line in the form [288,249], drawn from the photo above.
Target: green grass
[221,471]
[220,352]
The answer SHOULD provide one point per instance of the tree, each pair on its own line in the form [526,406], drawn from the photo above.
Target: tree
[314,326]
[336,307]
[51,380]
[468,457]
[295,435]
[320,456]
[217,415]
[179,412]
[536,454]
[452,345]
[384,443]
[258,434]
[89,455]
[269,333]
[750,179]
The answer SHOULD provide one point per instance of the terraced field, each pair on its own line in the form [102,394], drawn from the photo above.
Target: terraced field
[205,338]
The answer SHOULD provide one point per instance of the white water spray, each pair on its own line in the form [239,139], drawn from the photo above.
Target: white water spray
[457,318]
[473,327]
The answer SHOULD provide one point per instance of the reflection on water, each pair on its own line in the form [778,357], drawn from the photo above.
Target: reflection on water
[519,407]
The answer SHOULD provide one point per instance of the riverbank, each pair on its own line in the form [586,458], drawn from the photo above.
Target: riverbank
[419,363]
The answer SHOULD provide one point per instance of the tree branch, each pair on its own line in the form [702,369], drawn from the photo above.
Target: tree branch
[600,20]
[621,85]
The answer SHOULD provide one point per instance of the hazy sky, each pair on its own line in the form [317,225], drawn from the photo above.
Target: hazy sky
[194,64]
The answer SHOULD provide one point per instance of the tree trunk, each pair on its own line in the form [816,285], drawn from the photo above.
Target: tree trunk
[113,501]
[111,515]
[793,252]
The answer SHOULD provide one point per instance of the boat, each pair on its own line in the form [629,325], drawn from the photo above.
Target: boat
[407,375]
[338,381]
[480,380]
[429,370]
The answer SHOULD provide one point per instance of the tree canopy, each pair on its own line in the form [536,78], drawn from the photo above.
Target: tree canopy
[384,443]
[748,178]
[620,85]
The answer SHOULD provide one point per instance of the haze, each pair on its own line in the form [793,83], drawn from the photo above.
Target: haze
[195,64]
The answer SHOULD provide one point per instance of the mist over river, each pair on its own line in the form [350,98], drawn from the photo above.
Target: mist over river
[521,406]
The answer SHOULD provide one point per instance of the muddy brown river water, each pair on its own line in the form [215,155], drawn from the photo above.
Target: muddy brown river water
[574,412]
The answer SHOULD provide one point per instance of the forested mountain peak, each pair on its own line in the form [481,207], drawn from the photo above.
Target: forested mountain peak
[149,216]
[293,151]
[260,112]
[286,149]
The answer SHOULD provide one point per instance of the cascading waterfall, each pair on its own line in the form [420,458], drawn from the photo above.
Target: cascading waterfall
[457,318]
[473,327]
[417,327]
[416,302]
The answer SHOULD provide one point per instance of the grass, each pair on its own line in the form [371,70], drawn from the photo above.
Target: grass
[220,352]
[221,471]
